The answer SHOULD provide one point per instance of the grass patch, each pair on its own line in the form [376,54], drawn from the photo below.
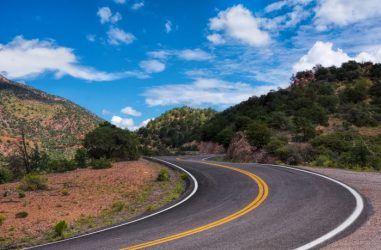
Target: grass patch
[33,182]
[60,228]
[163,175]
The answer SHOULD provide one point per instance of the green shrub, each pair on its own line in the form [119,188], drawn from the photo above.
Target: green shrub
[163,175]
[100,163]
[5,175]
[118,206]
[65,192]
[60,228]
[258,134]
[62,165]
[81,158]
[275,143]
[21,194]
[21,215]
[2,219]
[33,182]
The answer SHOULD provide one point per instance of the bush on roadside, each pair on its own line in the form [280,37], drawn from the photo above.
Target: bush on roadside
[33,182]
[21,215]
[5,175]
[100,163]
[163,175]
[60,228]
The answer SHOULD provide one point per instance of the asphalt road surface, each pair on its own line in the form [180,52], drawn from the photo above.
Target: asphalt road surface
[298,208]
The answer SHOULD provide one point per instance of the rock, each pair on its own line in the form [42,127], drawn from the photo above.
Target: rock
[240,149]
[210,148]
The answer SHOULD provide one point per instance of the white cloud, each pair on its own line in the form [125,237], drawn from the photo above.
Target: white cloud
[168,26]
[323,53]
[284,3]
[123,122]
[203,91]
[215,39]
[344,12]
[128,123]
[275,6]
[106,112]
[130,111]
[137,5]
[91,38]
[106,15]
[117,36]
[239,24]
[152,66]
[145,122]
[185,54]
[120,1]
[23,58]
[193,55]
[159,54]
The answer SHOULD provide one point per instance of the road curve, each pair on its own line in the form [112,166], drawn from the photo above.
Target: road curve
[298,209]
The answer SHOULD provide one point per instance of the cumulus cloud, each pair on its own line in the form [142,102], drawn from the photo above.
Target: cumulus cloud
[215,39]
[137,5]
[130,111]
[152,66]
[128,123]
[344,12]
[105,15]
[324,54]
[22,58]
[203,91]
[239,24]
[168,26]
[118,36]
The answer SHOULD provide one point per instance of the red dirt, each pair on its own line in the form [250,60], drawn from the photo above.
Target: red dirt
[70,195]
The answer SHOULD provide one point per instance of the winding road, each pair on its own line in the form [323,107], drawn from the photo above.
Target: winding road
[239,206]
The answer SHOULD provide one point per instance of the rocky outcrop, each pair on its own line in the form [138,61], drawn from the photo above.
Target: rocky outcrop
[240,150]
[210,148]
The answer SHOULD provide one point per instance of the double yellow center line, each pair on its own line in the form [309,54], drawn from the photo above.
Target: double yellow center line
[259,199]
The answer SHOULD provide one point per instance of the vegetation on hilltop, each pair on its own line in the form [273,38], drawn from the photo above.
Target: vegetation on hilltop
[319,119]
[173,128]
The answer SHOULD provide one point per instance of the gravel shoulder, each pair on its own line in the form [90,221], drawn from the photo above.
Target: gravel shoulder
[368,235]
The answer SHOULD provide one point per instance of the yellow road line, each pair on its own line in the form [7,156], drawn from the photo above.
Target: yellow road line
[261,197]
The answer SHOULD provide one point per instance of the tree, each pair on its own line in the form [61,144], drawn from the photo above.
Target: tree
[258,134]
[108,141]
[225,136]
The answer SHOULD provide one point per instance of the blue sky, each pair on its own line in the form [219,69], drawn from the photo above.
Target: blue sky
[130,60]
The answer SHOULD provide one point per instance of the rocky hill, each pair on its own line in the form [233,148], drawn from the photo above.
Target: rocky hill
[50,122]
[328,116]
[174,128]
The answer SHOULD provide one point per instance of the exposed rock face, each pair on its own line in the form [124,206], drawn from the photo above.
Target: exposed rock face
[240,149]
[210,148]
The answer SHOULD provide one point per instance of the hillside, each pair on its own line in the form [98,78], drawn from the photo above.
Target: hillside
[52,123]
[174,128]
[328,116]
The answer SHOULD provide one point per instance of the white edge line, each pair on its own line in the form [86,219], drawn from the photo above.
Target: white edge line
[142,218]
[349,221]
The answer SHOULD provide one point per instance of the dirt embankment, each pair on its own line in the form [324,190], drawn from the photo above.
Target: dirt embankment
[368,236]
[85,199]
